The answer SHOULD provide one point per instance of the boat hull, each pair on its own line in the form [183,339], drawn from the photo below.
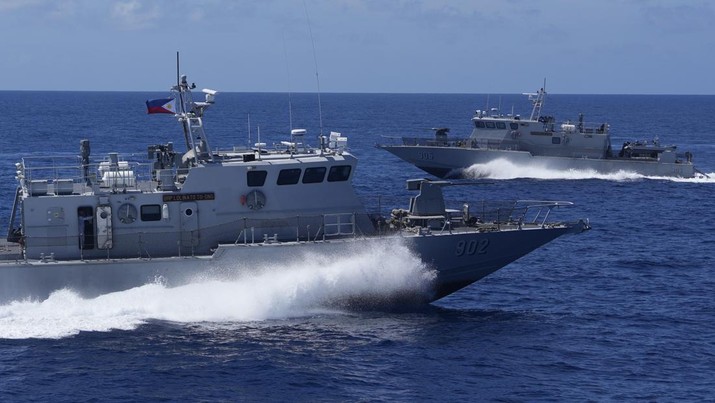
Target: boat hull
[455,260]
[463,259]
[449,162]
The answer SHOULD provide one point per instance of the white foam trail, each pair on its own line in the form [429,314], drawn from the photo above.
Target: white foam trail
[710,178]
[504,170]
[299,289]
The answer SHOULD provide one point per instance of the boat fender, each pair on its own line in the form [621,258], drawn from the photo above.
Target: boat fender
[243,200]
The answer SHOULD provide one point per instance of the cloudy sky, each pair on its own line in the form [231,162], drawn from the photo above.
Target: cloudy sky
[433,46]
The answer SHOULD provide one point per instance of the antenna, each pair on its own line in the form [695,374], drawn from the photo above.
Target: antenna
[188,139]
[249,130]
[315,60]
[177,69]
[259,144]
[290,105]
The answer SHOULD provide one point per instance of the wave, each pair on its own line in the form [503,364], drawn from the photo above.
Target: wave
[699,178]
[315,284]
[502,169]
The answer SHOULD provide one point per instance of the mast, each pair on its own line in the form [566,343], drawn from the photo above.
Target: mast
[182,108]
[537,99]
[191,116]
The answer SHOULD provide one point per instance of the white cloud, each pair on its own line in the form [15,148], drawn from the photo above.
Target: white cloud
[64,9]
[680,18]
[133,15]
[10,5]
[196,15]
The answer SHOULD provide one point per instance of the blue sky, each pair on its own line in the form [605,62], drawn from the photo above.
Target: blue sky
[433,46]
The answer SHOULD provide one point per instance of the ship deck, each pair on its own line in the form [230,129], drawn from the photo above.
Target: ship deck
[9,251]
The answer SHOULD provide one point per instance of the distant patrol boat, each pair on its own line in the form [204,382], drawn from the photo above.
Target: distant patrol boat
[98,226]
[539,141]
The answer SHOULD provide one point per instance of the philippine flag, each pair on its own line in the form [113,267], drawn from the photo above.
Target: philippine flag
[163,105]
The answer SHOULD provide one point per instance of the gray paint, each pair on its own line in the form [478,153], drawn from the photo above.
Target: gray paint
[114,224]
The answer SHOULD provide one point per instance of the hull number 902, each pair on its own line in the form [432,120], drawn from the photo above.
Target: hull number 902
[425,155]
[473,247]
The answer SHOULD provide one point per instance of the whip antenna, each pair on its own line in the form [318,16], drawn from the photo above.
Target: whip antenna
[177,69]
[315,60]
[290,105]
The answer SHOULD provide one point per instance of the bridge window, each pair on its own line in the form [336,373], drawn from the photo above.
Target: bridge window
[256,178]
[314,175]
[514,126]
[339,173]
[288,176]
[556,140]
[479,124]
[501,125]
[151,212]
[490,125]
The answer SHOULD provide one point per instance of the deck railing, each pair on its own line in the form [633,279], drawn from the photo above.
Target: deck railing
[61,175]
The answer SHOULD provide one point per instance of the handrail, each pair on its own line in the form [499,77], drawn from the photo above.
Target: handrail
[540,205]
[342,225]
[338,224]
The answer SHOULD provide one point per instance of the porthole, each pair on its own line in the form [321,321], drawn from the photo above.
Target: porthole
[127,213]
[255,200]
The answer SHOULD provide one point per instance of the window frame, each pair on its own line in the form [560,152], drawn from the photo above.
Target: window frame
[289,176]
[311,175]
[150,216]
[251,182]
[339,176]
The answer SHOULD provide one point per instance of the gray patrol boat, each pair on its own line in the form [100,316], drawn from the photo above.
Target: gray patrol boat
[110,224]
[539,141]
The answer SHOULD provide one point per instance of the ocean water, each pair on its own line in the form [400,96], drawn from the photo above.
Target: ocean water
[623,312]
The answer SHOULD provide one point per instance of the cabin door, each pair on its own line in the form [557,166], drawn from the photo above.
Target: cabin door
[85,226]
[104,227]
[189,225]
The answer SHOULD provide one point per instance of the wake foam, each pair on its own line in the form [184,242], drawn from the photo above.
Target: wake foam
[707,178]
[315,284]
[502,169]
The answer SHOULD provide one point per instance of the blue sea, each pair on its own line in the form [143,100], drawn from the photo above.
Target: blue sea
[623,312]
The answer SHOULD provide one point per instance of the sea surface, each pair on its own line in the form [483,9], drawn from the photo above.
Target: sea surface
[623,312]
